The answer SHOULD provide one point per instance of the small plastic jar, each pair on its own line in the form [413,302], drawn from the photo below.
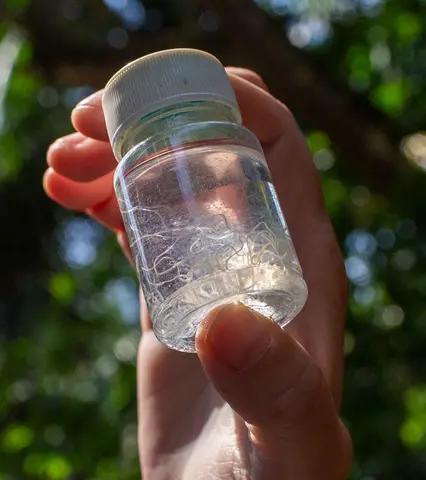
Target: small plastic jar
[195,192]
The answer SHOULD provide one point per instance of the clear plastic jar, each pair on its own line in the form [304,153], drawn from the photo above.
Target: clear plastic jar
[203,219]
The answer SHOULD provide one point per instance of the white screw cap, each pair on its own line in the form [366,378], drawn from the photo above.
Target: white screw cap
[162,79]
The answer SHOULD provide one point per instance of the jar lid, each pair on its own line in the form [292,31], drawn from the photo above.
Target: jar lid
[160,80]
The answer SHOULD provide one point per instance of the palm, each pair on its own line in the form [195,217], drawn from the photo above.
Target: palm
[192,428]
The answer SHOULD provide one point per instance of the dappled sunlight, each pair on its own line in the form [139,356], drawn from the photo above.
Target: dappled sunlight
[122,293]
[79,240]
[414,148]
[132,12]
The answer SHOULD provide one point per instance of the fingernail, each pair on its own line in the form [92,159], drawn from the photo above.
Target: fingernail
[58,144]
[238,337]
[91,100]
[68,142]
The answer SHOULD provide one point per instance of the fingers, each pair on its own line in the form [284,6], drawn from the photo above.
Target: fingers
[80,158]
[262,113]
[86,156]
[88,117]
[273,384]
[320,325]
[124,244]
[299,191]
[248,75]
[108,213]
[75,195]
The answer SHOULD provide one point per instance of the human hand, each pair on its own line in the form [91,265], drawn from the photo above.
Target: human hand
[257,401]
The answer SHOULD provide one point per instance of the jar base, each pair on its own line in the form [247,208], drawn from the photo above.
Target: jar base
[281,303]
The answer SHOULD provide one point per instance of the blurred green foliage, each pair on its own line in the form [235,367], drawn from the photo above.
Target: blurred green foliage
[68,300]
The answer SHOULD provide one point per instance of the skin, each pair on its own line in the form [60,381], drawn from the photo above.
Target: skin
[265,407]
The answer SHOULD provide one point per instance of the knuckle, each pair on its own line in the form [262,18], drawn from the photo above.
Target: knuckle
[301,400]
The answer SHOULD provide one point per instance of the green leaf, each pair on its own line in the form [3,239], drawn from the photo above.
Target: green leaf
[358,60]
[335,195]
[10,161]
[106,469]
[50,466]
[18,4]
[17,437]
[33,465]
[23,87]
[25,54]
[120,395]
[391,96]
[408,27]
[415,400]
[57,467]
[62,287]
[318,141]
[412,433]
[3,30]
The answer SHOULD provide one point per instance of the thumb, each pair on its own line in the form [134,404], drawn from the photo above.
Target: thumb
[270,381]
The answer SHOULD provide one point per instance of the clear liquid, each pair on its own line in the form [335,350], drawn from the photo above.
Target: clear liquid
[206,229]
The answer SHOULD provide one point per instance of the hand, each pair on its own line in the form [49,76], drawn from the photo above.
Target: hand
[257,401]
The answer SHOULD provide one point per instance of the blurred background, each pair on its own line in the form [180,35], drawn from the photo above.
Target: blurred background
[353,72]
